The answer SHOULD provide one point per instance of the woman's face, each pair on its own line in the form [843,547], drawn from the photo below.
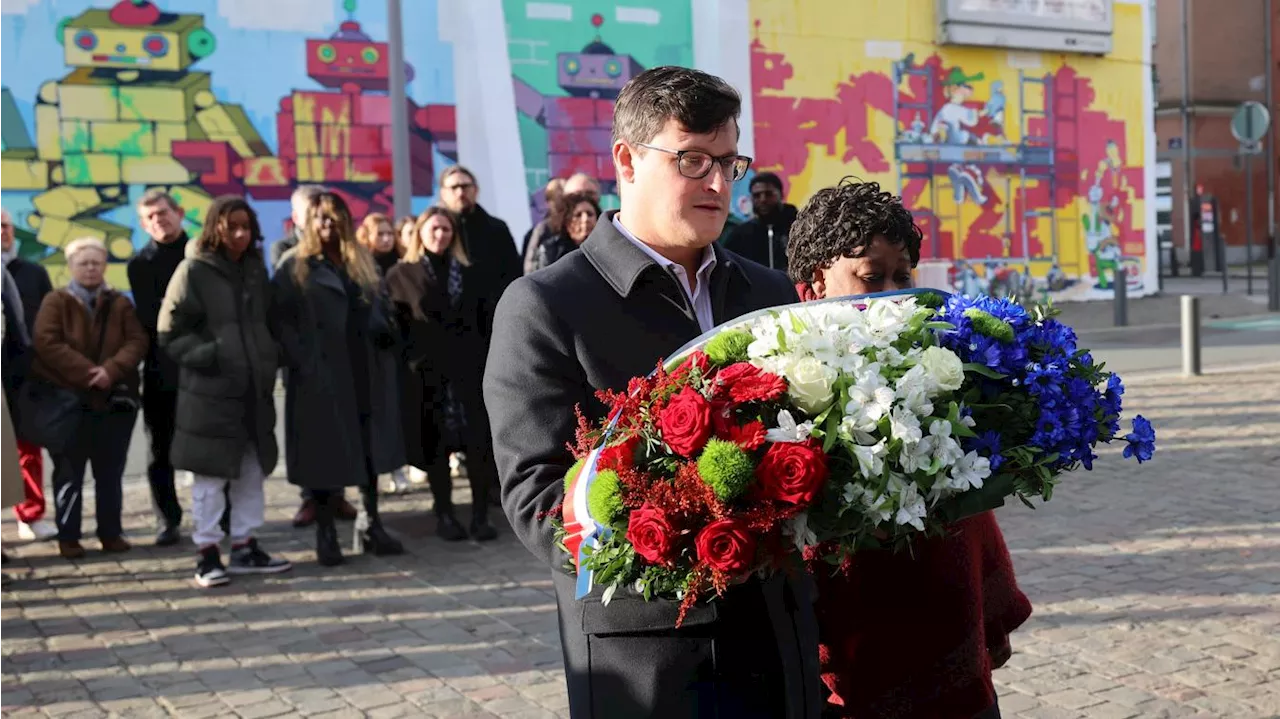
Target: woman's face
[238,234]
[437,235]
[325,225]
[385,240]
[88,266]
[581,221]
[406,236]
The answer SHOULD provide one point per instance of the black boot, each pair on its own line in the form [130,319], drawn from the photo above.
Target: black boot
[481,530]
[482,483]
[328,551]
[448,527]
[376,539]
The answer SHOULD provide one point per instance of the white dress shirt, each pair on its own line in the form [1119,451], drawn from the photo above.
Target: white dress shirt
[699,294]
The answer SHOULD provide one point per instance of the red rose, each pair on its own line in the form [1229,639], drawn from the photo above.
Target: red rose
[744,382]
[792,472]
[698,359]
[727,545]
[685,422]
[619,456]
[651,535]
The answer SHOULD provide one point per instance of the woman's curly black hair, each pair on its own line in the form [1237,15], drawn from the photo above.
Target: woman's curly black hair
[842,221]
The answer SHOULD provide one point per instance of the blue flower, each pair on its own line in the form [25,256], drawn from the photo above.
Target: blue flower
[1142,440]
[988,445]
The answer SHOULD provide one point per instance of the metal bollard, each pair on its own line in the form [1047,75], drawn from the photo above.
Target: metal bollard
[1190,335]
[1121,277]
[1273,284]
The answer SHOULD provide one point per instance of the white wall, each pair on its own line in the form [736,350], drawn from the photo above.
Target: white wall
[722,46]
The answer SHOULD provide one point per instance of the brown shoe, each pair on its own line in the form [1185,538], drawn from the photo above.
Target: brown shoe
[116,545]
[70,550]
[306,515]
[347,511]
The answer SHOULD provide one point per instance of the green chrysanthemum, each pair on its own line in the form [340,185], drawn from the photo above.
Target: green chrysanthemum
[987,324]
[573,472]
[604,499]
[729,347]
[726,468]
[932,300]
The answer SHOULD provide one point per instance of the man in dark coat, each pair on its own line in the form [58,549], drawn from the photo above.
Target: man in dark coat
[30,284]
[763,238]
[647,280]
[149,273]
[487,239]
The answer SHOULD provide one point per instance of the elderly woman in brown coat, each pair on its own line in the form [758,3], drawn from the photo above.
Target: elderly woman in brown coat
[88,341]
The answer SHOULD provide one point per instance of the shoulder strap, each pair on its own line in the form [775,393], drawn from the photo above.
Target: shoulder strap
[110,299]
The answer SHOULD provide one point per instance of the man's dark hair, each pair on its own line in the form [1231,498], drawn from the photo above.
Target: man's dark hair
[843,221]
[701,103]
[767,178]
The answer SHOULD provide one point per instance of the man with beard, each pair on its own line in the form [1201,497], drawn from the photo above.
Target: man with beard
[763,238]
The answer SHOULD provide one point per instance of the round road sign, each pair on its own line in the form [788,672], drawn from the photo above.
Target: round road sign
[1249,122]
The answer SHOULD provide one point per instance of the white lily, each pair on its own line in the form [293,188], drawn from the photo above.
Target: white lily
[788,430]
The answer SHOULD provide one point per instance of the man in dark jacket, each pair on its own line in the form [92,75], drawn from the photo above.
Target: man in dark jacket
[30,285]
[763,238]
[149,273]
[487,239]
[647,280]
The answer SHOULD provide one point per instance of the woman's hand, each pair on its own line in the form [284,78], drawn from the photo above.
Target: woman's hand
[99,379]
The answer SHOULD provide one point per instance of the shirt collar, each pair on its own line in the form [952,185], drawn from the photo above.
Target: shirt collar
[704,269]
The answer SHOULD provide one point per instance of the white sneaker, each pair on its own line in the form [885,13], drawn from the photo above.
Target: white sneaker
[399,482]
[38,531]
[417,476]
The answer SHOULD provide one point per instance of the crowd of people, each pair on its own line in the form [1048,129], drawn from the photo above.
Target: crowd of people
[378,329]
[403,343]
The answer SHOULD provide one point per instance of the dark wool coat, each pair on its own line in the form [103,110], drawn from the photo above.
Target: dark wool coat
[324,441]
[592,321]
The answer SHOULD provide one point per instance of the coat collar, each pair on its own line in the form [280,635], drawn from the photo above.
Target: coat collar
[621,263]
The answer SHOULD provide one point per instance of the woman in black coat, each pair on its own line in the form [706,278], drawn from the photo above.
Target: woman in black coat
[342,412]
[441,302]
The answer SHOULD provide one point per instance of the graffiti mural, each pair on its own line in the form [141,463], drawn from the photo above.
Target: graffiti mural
[569,60]
[119,97]
[1024,170]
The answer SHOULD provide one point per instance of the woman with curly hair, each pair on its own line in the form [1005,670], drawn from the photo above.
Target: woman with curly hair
[342,411]
[910,635]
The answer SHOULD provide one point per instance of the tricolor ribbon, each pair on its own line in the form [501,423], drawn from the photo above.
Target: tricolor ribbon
[582,532]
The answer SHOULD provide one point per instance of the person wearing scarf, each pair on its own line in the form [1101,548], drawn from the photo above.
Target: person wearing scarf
[441,303]
[906,635]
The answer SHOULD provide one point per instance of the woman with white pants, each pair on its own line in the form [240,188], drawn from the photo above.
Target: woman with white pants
[213,322]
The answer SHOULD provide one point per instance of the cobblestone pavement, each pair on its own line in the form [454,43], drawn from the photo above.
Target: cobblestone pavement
[1157,594]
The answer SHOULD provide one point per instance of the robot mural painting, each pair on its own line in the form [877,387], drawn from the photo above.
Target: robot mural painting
[113,122]
[141,108]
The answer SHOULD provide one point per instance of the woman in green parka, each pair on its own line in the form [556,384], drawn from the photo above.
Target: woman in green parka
[213,322]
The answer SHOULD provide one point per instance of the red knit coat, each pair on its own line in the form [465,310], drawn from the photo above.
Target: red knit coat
[909,635]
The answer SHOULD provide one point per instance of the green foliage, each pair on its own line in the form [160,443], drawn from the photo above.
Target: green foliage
[573,472]
[604,499]
[612,562]
[726,468]
[932,300]
[987,324]
[728,347]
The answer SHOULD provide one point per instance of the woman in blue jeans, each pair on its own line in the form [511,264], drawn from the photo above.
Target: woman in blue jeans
[87,339]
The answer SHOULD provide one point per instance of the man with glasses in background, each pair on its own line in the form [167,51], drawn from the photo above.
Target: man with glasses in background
[487,239]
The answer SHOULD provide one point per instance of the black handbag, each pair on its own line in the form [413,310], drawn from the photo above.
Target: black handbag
[50,413]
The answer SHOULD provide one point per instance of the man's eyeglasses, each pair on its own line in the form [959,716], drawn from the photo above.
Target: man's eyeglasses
[460,187]
[696,164]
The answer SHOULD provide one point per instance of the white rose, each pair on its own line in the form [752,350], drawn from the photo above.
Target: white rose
[810,383]
[943,367]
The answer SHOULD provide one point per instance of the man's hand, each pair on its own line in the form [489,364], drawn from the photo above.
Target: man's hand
[98,378]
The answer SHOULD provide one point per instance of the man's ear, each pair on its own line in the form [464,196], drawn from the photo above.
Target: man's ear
[624,162]
[819,283]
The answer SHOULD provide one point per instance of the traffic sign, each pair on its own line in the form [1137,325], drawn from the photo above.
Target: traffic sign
[1249,122]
